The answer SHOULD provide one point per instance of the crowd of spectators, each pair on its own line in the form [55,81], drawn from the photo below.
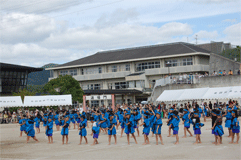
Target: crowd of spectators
[224,73]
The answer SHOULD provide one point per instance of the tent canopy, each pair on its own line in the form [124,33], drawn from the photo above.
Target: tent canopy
[190,94]
[170,95]
[201,93]
[11,101]
[49,100]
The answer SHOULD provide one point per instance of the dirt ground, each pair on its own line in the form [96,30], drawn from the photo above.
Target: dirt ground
[14,147]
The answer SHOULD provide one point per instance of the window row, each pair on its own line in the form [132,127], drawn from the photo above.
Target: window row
[119,68]
[179,62]
[72,72]
[92,87]
[147,65]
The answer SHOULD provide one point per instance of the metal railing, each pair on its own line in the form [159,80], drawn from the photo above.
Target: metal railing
[179,79]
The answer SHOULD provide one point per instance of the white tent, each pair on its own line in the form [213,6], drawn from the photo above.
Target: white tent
[235,93]
[49,100]
[170,95]
[201,93]
[11,101]
[217,93]
[191,94]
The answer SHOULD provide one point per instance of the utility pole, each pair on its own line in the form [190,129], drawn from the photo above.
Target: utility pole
[196,39]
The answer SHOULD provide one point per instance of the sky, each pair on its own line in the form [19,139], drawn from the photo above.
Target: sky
[38,32]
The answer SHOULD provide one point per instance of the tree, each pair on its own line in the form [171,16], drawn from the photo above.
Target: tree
[65,85]
[24,92]
[232,53]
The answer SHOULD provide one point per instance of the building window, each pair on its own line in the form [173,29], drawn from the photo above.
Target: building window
[51,74]
[128,68]
[92,87]
[114,68]
[121,85]
[63,73]
[147,65]
[94,103]
[73,72]
[82,71]
[96,70]
[109,85]
[187,61]
[96,86]
[100,69]
[171,63]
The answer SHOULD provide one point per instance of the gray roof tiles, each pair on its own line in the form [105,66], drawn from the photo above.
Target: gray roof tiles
[137,53]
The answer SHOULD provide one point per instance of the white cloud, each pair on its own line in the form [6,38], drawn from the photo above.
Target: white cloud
[119,16]
[211,1]
[22,28]
[34,55]
[233,34]
[38,6]
[207,35]
[230,20]
[121,35]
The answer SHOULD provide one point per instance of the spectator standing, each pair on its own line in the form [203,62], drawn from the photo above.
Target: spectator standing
[210,105]
[5,117]
[224,73]
[230,72]
[180,78]
[238,72]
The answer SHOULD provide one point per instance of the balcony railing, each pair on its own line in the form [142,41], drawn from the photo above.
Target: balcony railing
[179,79]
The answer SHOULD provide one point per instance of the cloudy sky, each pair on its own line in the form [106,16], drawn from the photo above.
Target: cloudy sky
[37,32]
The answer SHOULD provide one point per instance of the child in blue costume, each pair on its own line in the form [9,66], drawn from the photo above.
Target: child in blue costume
[82,129]
[65,130]
[129,127]
[169,121]
[22,123]
[111,122]
[218,128]
[45,120]
[121,121]
[197,126]
[30,129]
[56,118]
[49,130]
[37,123]
[228,121]
[95,132]
[103,124]
[186,122]
[78,120]
[235,126]
[72,118]
[151,119]
[136,118]
[175,125]
[157,124]
[146,127]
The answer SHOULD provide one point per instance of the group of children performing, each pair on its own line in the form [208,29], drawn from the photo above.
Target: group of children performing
[129,120]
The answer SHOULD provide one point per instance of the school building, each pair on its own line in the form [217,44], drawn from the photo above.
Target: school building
[129,75]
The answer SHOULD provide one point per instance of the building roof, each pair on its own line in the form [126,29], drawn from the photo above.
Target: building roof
[215,47]
[113,91]
[136,53]
[10,67]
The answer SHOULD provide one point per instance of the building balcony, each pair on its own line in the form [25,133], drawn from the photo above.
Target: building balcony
[178,69]
[109,75]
